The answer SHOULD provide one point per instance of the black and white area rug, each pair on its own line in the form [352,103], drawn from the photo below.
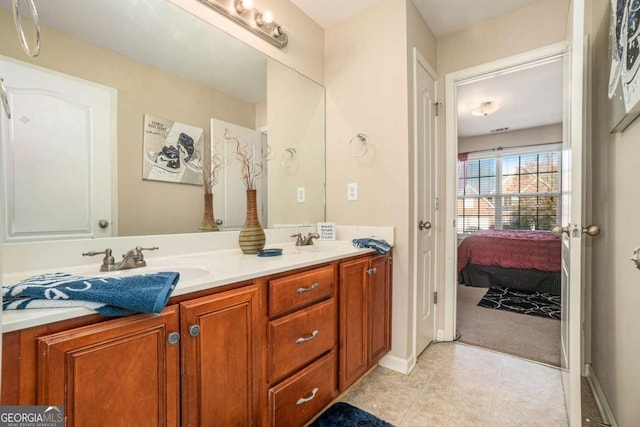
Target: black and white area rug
[535,304]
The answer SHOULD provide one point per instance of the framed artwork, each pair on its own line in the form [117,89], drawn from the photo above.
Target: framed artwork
[624,61]
[173,151]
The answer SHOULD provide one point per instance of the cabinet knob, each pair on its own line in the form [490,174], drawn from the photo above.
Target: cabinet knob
[308,399]
[173,338]
[310,288]
[371,271]
[305,339]
[194,330]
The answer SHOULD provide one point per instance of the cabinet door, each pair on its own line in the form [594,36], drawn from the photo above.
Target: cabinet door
[379,305]
[221,359]
[353,321]
[119,373]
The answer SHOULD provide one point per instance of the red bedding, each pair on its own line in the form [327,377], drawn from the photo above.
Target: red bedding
[539,250]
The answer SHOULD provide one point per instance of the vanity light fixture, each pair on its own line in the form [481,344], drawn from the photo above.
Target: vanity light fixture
[256,21]
[485,108]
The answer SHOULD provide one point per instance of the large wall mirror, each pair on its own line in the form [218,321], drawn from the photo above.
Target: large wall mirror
[159,61]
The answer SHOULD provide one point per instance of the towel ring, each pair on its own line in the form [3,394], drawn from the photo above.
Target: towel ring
[288,157]
[364,142]
[34,50]
[5,100]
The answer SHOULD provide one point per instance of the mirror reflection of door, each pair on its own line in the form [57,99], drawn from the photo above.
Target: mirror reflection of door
[56,155]
[228,207]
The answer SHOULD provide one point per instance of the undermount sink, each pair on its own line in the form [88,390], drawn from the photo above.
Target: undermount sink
[188,273]
[322,249]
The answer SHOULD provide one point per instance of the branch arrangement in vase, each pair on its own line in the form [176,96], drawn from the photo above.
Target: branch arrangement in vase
[251,167]
[211,170]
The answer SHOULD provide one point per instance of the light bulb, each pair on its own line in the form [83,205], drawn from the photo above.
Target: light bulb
[242,5]
[265,18]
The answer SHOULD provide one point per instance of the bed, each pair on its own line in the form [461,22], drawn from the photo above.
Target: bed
[518,259]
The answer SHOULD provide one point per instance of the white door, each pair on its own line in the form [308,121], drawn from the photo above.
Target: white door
[573,155]
[425,199]
[57,155]
[229,194]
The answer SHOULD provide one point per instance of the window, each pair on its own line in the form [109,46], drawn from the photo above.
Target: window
[512,190]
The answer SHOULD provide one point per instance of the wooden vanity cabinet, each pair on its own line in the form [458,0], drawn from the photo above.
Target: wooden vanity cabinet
[270,352]
[221,359]
[365,313]
[302,345]
[116,373]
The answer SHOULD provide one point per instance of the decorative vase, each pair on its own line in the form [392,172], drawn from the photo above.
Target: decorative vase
[208,220]
[252,237]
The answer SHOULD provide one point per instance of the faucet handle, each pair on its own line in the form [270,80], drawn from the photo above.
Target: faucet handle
[139,250]
[299,240]
[106,261]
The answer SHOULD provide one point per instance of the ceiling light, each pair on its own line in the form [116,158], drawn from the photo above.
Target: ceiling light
[242,5]
[264,18]
[485,108]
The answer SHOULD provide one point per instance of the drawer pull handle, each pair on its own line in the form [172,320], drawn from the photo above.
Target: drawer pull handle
[310,288]
[309,338]
[308,399]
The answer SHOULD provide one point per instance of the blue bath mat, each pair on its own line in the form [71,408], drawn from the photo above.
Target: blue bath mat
[344,415]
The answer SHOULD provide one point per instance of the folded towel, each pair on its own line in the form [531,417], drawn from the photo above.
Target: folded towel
[379,245]
[112,296]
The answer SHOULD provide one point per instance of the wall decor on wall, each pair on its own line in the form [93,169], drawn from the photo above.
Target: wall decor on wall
[173,151]
[624,61]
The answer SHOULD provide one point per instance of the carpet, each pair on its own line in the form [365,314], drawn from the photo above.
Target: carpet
[531,337]
[342,414]
[534,304]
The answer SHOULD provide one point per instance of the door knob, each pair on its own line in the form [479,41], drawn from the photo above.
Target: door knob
[557,230]
[591,230]
[103,223]
[424,225]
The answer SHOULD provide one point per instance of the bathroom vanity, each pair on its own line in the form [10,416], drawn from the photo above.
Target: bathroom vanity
[256,349]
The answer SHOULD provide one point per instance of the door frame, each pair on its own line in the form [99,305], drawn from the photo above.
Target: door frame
[511,63]
[419,60]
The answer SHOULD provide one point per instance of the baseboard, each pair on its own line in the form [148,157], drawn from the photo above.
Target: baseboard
[398,364]
[600,398]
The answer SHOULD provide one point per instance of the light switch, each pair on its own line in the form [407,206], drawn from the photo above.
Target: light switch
[352,191]
[301,195]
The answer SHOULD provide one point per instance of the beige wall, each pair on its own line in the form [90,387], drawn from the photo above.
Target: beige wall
[615,280]
[517,138]
[366,80]
[293,95]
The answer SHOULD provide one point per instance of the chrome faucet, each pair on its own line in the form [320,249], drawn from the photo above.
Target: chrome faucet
[305,241]
[132,259]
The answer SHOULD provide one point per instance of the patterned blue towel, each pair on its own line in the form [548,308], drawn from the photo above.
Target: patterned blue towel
[111,296]
[379,245]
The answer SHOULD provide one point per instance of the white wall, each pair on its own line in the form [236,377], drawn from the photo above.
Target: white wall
[517,138]
[615,348]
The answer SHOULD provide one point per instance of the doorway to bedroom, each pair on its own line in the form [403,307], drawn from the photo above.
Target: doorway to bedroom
[509,144]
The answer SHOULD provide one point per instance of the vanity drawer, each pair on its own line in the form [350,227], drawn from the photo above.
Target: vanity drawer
[297,290]
[296,400]
[298,338]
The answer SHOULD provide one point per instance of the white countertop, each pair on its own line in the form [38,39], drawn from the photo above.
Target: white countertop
[198,271]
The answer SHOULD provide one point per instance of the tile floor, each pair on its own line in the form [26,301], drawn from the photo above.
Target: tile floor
[459,385]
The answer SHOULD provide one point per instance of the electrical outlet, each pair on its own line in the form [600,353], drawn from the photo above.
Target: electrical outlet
[352,191]
[301,195]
